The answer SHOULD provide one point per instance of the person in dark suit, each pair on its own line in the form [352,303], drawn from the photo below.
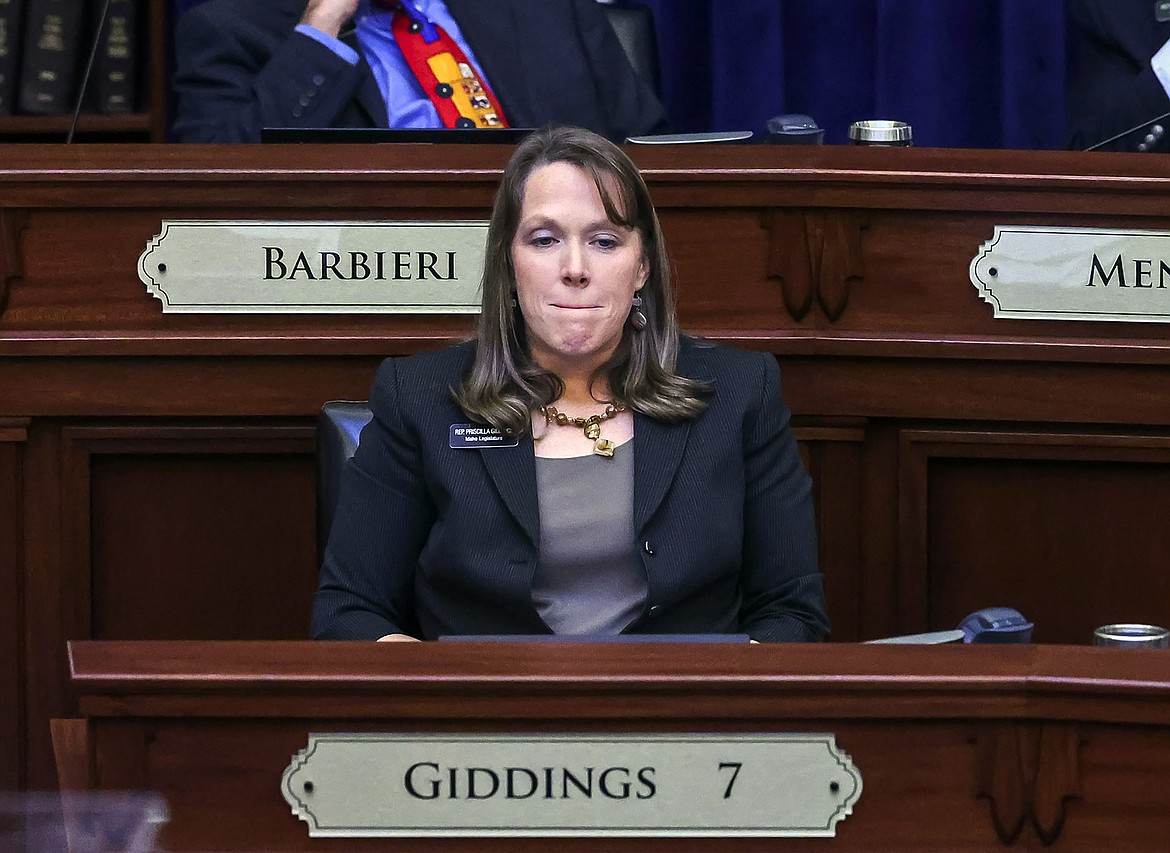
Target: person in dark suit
[579,467]
[242,65]
[1121,74]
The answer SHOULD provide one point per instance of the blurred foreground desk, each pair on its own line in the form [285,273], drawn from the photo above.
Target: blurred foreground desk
[156,470]
[961,748]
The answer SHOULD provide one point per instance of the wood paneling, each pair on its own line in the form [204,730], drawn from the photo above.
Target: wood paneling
[192,531]
[833,453]
[161,484]
[47,626]
[12,439]
[960,748]
[1061,526]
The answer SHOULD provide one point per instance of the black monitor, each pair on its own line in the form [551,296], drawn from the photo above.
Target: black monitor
[377,135]
[595,638]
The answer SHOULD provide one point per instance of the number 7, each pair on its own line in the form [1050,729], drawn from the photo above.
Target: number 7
[734,766]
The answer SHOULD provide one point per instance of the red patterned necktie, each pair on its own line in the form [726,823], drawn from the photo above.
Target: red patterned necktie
[461,98]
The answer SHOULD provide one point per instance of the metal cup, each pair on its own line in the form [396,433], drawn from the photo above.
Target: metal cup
[1132,635]
[892,134]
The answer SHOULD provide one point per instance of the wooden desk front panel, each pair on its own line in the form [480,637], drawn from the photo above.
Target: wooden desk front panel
[160,466]
[221,780]
[960,748]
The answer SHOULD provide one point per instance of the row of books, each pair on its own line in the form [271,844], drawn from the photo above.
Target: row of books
[45,45]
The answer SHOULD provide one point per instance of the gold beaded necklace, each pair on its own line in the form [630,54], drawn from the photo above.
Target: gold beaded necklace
[591,425]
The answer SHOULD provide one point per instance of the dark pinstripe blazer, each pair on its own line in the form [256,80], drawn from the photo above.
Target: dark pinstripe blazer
[430,540]
[239,67]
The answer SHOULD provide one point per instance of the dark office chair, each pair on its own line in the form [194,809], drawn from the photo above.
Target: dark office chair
[634,25]
[339,425]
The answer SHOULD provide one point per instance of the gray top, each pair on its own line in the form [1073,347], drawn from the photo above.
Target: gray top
[589,577]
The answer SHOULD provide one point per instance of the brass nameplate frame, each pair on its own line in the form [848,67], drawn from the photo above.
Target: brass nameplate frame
[250,267]
[1032,272]
[384,785]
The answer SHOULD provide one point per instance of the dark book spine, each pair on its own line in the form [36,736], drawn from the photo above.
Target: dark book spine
[48,68]
[115,78]
[10,17]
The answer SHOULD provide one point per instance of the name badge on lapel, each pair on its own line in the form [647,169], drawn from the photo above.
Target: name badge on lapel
[475,436]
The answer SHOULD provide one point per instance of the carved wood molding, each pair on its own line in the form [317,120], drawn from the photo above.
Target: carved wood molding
[12,222]
[841,266]
[14,430]
[792,268]
[1028,772]
[815,255]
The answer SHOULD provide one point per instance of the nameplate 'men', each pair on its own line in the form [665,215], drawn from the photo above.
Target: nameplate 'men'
[250,267]
[1061,273]
[385,785]
[477,436]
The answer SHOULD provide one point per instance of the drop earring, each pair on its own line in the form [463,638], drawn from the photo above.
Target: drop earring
[637,318]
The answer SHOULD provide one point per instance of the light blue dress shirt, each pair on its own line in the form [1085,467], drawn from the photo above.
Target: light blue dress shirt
[407,105]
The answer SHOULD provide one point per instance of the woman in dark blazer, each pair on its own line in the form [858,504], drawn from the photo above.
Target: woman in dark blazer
[578,468]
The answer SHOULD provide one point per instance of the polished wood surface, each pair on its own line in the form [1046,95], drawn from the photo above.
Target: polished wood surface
[156,470]
[960,748]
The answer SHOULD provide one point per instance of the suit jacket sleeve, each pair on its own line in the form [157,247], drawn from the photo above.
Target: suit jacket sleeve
[235,75]
[384,516]
[1114,87]
[781,584]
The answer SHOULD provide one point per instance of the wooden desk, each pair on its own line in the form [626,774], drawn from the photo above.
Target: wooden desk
[960,748]
[156,470]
